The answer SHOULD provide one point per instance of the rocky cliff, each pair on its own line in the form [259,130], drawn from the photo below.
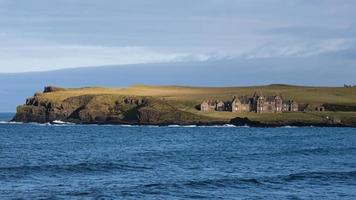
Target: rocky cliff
[102,109]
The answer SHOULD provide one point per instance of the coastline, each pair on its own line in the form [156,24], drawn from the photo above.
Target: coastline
[165,106]
[242,122]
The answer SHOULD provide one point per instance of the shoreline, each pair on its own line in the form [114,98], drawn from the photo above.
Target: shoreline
[253,124]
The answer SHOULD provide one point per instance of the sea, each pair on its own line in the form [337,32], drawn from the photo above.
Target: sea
[67,161]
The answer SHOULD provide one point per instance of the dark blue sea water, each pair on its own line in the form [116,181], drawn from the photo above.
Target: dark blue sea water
[116,162]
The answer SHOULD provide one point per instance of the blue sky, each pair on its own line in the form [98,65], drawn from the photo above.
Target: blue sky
[41,35]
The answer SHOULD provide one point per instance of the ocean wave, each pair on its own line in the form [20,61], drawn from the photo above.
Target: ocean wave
[15,171]
[303,152]
[322,175]
[233,182]
[224,182]
[315,151]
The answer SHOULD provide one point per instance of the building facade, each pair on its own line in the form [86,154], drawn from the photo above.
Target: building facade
[208,106]
[241,104]
[258,103]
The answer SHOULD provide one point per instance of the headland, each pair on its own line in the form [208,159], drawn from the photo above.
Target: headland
[257,106]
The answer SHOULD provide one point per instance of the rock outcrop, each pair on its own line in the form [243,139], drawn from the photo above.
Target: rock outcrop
[52,89]
[102,109]
[239,121]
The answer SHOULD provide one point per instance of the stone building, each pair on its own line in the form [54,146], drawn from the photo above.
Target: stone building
[220,106]
[212,105]
[241,104]
[290,106]
[257,103]
[268,104]
[320,108]
[208,105]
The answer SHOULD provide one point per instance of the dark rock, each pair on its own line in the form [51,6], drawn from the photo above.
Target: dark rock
[238,121]
[148,115]
[30,114]
[343,108]
[48,89]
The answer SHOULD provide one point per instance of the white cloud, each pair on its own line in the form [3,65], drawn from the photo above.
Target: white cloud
[41,57]
[49,57]
[43,35]
[299,48]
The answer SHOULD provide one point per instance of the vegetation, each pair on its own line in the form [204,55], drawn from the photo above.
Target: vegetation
[176,102]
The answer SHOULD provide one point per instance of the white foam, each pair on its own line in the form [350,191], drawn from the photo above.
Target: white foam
[6,122]
[126,125]
[59,122]
[207,126]
[289,126]
[150,126]
[39,124]
[182,126]
[190,126]
[229,125]
[174,126]
[62,123]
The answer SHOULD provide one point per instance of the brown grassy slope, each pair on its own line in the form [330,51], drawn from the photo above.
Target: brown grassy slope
[332,95]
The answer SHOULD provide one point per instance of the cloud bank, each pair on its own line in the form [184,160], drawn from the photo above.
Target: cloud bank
[44,35]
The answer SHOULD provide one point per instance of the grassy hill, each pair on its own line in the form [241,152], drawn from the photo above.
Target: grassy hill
[331,95]
[340,102]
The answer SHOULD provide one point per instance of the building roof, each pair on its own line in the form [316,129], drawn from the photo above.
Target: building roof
[244,99]
[258,94]
[289,102]
[270,98]
[220,102]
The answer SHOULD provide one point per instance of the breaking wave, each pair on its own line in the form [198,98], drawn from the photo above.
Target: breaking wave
[59,122]
[7,122]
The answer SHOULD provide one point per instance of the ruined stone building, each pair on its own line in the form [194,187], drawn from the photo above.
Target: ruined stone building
[215,105]
[257,103]
[209,105]
[241,104]
[268,104]
[291,106]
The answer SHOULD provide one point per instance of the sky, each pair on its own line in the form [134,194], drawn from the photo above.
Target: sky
[42,35]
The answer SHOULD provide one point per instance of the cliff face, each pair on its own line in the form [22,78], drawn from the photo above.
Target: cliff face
[102,109]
